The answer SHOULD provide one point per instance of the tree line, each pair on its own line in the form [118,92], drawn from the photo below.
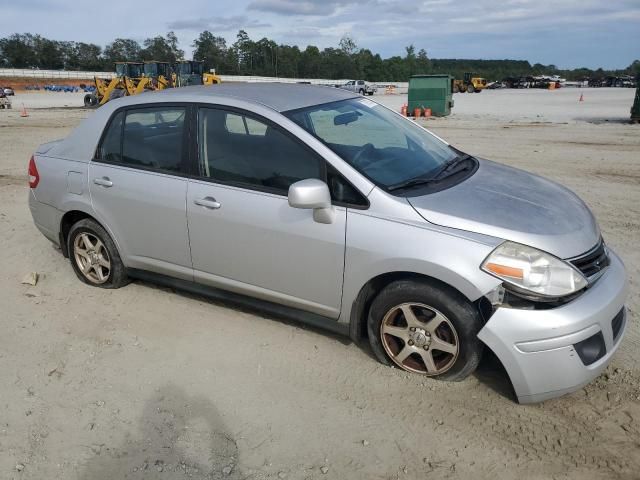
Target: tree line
[265,57]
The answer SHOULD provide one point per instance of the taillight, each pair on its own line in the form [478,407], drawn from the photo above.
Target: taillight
[34,176]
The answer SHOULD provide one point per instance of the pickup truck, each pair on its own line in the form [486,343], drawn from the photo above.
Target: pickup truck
[359,86]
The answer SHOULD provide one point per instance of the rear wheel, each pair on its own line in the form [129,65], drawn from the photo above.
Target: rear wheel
[471,88]
[456,88]
[94,256]
[425,328]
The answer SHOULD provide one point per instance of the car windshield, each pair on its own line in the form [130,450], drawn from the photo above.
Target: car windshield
[380,144]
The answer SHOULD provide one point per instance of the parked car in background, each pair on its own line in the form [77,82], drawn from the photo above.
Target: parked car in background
[8,91]
[245,191]
[5,102]
[359,86]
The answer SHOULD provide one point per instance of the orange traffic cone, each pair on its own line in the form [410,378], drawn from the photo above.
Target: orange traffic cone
[24,113]
[581,98]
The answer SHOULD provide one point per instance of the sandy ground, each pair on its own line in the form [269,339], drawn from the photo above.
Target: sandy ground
[145,382]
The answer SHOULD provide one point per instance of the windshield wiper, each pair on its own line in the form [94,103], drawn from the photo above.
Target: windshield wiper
[410,183]
[448,168]
[445,170]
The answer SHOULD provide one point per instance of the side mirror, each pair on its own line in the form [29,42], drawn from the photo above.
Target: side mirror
[313,194]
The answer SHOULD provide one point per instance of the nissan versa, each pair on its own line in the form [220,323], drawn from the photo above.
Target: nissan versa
[318,203]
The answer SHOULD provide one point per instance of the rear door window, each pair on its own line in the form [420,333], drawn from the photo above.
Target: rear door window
[149,138]
[153,138]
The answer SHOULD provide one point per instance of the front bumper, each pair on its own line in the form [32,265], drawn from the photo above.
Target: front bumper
[537,347]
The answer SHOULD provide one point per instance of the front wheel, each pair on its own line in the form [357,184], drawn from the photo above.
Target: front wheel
[94,256]
[426,328]
[471,88]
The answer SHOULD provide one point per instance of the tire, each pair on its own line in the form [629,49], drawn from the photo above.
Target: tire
[446,331]
[470,88]
[90,100]
[456,88]
[100,264]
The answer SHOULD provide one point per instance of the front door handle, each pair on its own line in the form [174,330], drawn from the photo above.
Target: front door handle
[104,181]
[208,202]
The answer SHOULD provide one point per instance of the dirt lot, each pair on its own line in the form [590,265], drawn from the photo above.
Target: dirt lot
[145,382]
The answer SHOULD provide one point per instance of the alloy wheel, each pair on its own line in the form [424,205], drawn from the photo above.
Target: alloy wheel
[92,258]
[419,338]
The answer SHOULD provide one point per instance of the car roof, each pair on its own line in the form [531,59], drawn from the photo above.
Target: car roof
[277,96]
[81,143]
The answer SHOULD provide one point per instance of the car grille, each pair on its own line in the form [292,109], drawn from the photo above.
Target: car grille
[593,262]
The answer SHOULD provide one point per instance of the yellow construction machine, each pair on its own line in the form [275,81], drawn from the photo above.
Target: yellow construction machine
[129,80]
[133,78]
[470,84]
[191,72]
[160,75]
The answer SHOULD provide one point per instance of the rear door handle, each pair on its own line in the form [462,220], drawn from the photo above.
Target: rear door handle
[104,181]
[208,202]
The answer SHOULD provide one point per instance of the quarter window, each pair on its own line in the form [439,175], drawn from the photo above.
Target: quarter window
[242,150]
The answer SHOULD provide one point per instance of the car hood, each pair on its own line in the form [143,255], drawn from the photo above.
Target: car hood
[514,205]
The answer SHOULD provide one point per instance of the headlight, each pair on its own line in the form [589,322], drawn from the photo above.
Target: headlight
[533,271]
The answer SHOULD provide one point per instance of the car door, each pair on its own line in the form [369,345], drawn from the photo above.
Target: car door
[244,235]
[138,188]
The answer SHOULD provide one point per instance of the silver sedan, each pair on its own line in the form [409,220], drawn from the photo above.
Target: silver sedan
[318,204]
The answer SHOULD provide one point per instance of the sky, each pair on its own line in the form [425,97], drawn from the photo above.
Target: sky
[567,33]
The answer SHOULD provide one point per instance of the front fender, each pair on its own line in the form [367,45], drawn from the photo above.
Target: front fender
[377,246]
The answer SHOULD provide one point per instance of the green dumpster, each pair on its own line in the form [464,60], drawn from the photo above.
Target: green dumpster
[431,91]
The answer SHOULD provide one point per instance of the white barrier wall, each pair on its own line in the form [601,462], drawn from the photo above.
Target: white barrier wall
[400,87]
[63,74]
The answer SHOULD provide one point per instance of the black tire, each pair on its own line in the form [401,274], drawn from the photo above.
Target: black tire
[456,88]
[117,275]
[90,100]
[470,88]
[461,314]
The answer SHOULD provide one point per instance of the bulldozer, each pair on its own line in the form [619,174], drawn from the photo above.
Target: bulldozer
[191,72]
[469,83]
